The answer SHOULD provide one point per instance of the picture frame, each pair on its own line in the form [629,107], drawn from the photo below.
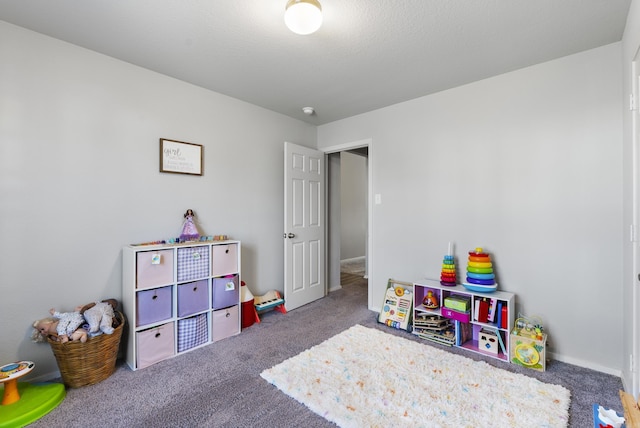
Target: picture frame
[179,157]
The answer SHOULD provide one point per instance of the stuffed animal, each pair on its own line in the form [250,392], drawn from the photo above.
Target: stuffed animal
[48,328]
[68,322]
[100,316]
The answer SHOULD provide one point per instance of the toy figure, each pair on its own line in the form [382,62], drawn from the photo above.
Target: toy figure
[430,301]
[48,328]
[100,316]
[67,324]
[189,229]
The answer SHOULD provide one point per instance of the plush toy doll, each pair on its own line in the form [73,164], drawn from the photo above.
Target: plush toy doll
[48,328]
[100,316]
[68,322]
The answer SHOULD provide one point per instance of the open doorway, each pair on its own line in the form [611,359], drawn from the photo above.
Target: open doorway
[353,211]
[348,218]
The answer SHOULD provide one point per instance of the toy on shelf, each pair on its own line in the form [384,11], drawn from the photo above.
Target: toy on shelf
[480,275]
[448,274]
[430,301]
[397,306]
[435,328]
[189,229]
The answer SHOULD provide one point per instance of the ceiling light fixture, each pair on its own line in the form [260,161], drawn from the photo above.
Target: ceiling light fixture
[303,16]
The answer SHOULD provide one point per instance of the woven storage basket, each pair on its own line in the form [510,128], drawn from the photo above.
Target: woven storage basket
[83,364]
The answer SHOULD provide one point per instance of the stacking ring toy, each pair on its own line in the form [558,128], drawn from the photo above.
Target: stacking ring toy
[481,264]
[479,259]
[479,270]
[480,275]
[481,281]
[477,252]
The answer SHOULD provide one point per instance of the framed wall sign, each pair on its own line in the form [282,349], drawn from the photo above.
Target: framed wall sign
[180,158]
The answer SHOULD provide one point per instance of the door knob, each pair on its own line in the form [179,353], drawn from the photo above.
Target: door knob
[289,235]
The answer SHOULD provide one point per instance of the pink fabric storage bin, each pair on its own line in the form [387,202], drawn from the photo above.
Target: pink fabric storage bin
[193,297]
[153,305]
[454,315]
[154,268]
[225,323]
[193,263]
[225,292]
[155,344]
[192,332]
[224,259]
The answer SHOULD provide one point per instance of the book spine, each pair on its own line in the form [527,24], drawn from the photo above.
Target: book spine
[484,310]
[492,310]
[505,317]
[500,341]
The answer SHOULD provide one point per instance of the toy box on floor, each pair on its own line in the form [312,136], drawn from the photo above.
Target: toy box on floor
[527,347]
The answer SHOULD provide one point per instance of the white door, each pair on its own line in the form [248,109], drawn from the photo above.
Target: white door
[304,246]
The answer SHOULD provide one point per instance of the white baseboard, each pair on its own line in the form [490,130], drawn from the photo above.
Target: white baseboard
[568,360]
[585,364]
[46,377]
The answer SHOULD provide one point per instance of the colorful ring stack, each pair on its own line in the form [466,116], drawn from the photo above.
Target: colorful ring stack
[480,276]
[448,274]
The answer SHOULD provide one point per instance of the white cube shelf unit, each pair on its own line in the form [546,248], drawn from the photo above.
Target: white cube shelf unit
[179,297]
[477,321]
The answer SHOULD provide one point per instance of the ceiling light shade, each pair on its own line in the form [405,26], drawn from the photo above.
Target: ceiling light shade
[303,16]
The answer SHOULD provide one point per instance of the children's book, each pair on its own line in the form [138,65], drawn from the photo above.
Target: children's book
[492,310]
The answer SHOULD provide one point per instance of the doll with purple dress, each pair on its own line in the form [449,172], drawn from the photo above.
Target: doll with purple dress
[189,229]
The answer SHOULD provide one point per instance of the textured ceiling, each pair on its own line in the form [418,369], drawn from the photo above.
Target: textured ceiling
[368,54]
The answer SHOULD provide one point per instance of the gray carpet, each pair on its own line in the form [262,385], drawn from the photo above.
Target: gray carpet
[220,385]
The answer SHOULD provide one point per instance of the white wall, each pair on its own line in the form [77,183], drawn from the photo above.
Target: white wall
[79,136]
[528,166]
[630,48]
[353,194]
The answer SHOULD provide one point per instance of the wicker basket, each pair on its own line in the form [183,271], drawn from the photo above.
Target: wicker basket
[83,364]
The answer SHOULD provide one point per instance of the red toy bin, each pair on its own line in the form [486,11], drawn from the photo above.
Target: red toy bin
[248,313]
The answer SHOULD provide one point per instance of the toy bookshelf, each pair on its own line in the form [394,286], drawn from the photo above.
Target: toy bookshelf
[471,320]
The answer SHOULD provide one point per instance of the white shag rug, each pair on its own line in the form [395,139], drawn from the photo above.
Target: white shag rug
[364,377]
